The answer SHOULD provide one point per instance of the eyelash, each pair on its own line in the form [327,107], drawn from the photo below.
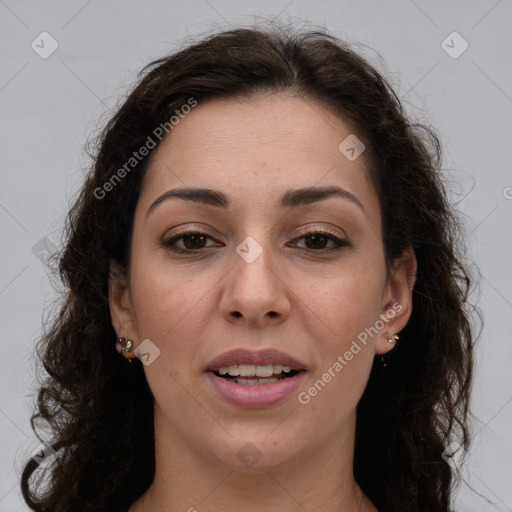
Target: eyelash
[168,243]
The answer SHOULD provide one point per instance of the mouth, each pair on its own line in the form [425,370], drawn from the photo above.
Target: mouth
[255,379]
[255,375]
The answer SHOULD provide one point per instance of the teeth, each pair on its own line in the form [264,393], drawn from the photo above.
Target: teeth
[250,370]
[265,371]
[247,370]
[233,370]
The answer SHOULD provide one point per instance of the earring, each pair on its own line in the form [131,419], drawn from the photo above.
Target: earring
[126,347]
[393,339]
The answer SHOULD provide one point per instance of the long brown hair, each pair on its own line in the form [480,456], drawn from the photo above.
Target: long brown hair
[100,409]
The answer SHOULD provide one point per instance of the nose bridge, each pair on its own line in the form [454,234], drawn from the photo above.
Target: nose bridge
[254,289]
[253,267]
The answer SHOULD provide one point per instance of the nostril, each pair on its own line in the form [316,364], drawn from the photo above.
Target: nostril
[237,314]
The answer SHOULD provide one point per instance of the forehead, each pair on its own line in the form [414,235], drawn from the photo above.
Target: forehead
[255,148]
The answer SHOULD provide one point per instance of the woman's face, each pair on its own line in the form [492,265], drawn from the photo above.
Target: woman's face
[259,278]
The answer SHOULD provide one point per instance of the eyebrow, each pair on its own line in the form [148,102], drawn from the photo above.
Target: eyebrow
[290,199]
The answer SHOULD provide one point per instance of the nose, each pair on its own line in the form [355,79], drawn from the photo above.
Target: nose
[255,293]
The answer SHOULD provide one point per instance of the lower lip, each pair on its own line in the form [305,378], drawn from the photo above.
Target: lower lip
[258,396]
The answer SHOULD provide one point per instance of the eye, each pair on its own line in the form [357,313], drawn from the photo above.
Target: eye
[316,240]
[195,241]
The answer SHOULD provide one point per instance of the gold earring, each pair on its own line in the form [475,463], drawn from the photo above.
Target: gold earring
[126,347]
[393,339]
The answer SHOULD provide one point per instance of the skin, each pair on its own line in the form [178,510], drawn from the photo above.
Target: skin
[254,150]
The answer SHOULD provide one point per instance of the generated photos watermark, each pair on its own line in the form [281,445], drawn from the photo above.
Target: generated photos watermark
[305,397]
[159,132]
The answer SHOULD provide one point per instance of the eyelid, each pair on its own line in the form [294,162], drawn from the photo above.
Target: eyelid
[183,232]
[340,240]
[321,229]
[194,229]
[169,243]
[302,232]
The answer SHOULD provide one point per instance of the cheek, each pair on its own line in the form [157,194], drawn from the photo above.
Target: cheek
[345,355]
[166,297]
[343,303]
[171,308]
[341,315]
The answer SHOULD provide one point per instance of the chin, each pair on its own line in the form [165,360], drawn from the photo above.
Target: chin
[255,450]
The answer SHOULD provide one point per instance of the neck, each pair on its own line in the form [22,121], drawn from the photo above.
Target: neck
[186,480]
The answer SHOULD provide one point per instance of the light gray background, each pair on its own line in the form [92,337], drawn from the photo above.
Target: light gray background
[51,106]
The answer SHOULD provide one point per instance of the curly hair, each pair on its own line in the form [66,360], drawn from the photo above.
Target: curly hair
[104,436]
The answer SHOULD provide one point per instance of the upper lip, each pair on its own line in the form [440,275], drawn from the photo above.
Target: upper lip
[260,357]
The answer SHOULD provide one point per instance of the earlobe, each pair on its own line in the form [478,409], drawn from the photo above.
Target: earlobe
[119,299]
[397,307]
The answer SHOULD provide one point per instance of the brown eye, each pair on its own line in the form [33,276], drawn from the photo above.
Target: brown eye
[192,241]
[316,241]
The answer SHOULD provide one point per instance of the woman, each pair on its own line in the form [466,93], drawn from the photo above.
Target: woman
[266,305]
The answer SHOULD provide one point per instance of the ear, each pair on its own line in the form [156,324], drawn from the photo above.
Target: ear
[120,303]
[397,303]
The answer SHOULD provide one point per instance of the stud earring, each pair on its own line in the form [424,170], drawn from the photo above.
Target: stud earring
[126,348]
[393,339]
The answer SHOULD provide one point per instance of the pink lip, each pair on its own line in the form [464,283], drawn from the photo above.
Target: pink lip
[258,396]
[261,395]
[261,357]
